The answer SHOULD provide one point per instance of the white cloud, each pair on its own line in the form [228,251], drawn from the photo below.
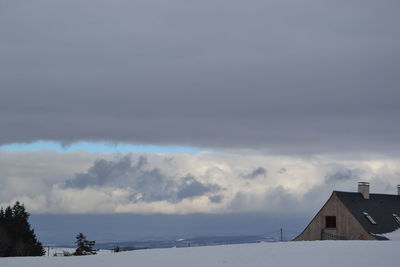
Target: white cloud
[207,182]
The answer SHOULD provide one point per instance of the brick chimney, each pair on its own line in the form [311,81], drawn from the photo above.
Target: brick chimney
[363,188]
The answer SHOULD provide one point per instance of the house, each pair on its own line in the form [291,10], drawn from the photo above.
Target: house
[355,216]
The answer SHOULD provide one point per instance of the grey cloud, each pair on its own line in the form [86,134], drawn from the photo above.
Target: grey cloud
[192,188]
[282,170]
[105,172]
[260,171]
[151,186]
[216,198]
[288,76]
[343,175]
[148,185]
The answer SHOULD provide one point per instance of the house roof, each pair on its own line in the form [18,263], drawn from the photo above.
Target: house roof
[380,207]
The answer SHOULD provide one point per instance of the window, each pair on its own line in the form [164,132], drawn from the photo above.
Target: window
[330,222]
[396,217]
[370,219]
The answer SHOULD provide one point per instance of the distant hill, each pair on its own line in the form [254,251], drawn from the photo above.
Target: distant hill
[186,242]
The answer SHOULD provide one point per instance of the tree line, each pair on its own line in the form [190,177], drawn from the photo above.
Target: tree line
[17,238]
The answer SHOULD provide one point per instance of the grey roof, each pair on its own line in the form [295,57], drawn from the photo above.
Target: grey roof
[379,206]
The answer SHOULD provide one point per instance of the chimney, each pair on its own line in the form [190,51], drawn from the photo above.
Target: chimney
[363,188]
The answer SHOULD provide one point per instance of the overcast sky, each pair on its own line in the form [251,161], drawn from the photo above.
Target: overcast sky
[262,105]
[287,76]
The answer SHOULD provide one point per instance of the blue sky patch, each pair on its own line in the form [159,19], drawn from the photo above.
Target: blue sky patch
[98,147]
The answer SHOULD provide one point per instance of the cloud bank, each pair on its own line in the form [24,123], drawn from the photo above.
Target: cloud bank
[207,182]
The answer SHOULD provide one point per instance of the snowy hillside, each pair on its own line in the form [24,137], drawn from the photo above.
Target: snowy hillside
[317,253]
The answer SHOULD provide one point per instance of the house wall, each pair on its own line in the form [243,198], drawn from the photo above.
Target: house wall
[346,225]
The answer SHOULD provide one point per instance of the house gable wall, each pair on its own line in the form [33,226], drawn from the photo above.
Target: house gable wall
[346,225]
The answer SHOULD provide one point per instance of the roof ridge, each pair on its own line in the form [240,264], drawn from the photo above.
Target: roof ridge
[347,192]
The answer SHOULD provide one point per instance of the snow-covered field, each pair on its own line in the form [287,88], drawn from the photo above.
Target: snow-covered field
[315,253]
[58,252]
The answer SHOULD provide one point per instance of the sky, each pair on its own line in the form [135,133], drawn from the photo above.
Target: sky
[179,108]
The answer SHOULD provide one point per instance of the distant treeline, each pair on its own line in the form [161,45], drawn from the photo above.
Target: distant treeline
[16,236]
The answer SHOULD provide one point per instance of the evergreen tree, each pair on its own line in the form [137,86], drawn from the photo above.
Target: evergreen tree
[16,236]
[117,249]
[8,215]
[84,246]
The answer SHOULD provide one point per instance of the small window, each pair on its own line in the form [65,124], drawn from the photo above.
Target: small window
[330,222]
[370,219]
[396,217]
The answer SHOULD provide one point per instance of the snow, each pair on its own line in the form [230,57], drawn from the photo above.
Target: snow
[311,253]
[395,235]
[59,251]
